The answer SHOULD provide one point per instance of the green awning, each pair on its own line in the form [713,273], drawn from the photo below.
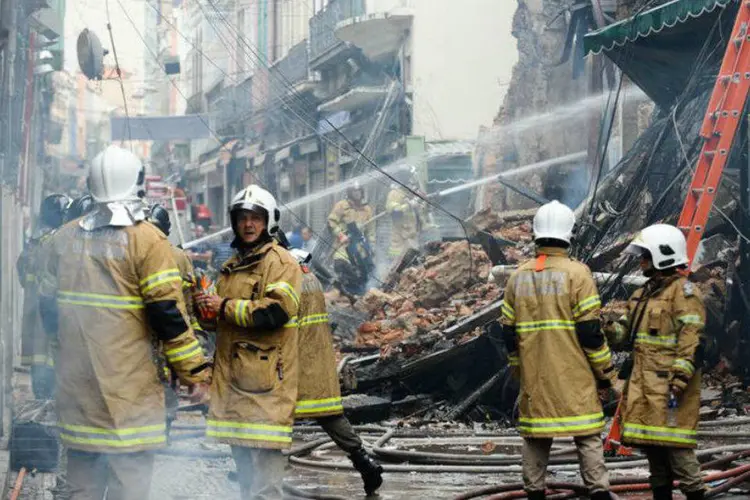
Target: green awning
[649,22]
[658,49]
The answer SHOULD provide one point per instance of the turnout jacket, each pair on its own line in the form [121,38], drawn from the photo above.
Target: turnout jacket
[254,390]
[319,390]
[103,292]
[406,222]
[550,317]
[666,321]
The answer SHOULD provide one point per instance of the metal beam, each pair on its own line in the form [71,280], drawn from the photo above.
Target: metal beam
[523,191]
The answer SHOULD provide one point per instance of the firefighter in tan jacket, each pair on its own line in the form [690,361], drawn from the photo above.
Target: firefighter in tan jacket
[407,219]
[352,210]
[319,394]
[159,217]
[550,317]
[254,390]
[110,280]
[662,396]
[36,350]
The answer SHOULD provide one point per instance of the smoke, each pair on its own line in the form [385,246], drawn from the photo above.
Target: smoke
[569,185]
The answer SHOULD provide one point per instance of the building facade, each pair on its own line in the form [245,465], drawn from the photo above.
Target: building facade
[307,86]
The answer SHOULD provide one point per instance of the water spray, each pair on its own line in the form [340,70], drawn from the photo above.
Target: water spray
[405,164]
[570,158]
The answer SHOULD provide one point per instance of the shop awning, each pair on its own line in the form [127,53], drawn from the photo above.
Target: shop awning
[649,22]
[282,154]
[658,47]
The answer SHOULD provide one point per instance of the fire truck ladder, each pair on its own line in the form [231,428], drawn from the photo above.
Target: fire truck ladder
[719,130]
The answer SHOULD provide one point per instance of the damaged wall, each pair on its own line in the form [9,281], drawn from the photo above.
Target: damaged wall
[550,111]
[537,86]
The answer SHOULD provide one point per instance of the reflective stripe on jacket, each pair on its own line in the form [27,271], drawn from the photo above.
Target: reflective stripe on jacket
[319,391]
[667,339]
[254,388]
[113,288]
[545,301]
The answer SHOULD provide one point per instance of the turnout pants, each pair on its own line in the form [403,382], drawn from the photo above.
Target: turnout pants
[535,458]
[124,476]
[667,464]
[341,431]
[260,472]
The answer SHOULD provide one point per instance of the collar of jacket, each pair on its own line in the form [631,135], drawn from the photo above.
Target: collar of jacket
[563,252]
[658,283]
[239,262]
[116,213]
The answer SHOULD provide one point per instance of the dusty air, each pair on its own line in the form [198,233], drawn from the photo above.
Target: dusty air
[394,249]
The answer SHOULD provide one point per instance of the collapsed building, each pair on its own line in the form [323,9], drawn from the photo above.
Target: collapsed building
[420,346]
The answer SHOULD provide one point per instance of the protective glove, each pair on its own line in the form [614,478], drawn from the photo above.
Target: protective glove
[677,386]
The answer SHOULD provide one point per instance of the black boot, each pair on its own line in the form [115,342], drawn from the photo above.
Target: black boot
[695,495]
[371,471]
[536,495]
[662,492]
[601,495]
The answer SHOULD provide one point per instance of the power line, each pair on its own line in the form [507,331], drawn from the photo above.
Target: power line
[361,154]
[287,86]
[208,127]
[119,73]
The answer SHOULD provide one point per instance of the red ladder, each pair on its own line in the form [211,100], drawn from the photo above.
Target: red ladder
[719,130]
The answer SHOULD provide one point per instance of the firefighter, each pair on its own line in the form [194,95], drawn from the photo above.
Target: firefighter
[319,394]
[159,217]
[661,399]
[407,220]
[110,284]
[550,317]
[79,207]
[35,346]
[352,210]
[254,389]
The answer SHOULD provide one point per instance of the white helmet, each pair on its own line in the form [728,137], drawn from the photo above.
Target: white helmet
[555,221]
[665,243]
[256,199]
[116,175]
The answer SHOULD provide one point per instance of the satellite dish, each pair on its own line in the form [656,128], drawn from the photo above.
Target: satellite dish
[90,55]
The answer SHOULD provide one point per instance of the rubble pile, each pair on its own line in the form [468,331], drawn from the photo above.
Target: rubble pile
[446,286]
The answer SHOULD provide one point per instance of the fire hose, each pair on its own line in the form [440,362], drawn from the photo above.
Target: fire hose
[446,462]
[735,476]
